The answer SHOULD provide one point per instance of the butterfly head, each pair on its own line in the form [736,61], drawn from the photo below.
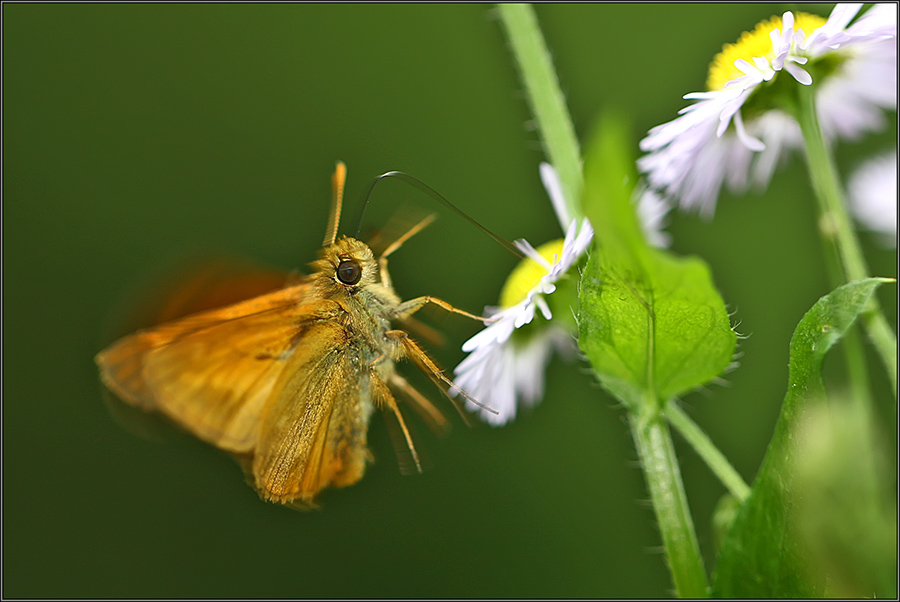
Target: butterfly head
[347,265]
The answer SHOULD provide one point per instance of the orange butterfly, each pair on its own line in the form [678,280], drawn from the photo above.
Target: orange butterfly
[287,381]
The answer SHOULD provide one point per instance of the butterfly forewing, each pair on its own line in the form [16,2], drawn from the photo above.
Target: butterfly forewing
[212,372]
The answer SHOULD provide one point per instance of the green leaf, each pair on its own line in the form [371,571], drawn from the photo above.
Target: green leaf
[650,322]
[763,555]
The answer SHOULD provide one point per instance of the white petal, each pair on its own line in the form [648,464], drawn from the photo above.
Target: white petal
[787,22]
[799,73]
[554,189]
[525,316]
[745,138]
[841,15]
[542,305]
[873,196]
[653,209]
[532,253]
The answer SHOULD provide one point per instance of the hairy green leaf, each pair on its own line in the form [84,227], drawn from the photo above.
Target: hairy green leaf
[650,322]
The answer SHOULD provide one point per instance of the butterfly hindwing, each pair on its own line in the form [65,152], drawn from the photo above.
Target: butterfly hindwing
[313,432]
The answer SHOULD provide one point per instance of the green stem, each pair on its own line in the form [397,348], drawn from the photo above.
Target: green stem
[710,454]
[852,345]
[836,227]
[545,99]
[657,454]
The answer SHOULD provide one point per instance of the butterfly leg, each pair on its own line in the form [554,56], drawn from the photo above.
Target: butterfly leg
[420,403]
[383,395]
[407,308]
[383,270]
[412,350]
[382,261]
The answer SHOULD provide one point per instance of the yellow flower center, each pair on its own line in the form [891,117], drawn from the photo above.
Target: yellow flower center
[528,273]
[751,44]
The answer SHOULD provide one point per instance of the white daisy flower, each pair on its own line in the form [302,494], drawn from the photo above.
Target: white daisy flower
[873,197]
[505,368]
[501,370]
[735,134]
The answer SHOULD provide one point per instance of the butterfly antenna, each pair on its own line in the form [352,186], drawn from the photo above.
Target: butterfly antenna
[337,196]
[438,197]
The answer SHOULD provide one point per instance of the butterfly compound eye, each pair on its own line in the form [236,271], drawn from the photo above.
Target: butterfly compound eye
[349,272]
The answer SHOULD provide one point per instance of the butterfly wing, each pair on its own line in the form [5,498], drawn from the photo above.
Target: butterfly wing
[213,372]
[215,283]
[276,380]
[313,432]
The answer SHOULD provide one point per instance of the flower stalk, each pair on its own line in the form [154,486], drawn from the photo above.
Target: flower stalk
[715,459]
[548,105]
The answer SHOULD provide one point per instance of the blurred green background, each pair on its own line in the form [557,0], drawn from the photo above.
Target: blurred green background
[137,136]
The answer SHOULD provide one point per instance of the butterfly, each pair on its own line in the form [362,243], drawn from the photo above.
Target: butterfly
[287,381]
